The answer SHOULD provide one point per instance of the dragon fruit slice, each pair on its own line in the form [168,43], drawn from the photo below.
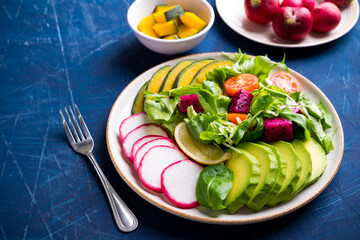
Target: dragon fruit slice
[240,102]
[276,129]
[190,100]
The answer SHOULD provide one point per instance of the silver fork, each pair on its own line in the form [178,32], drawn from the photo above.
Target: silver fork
[82,142]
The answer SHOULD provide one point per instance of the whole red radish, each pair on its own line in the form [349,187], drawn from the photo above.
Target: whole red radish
[261,11]
[309,4]
[292,23]
[340,3]
[326,17]
[292,3]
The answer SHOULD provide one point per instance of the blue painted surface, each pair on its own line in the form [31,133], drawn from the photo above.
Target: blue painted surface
[55,53]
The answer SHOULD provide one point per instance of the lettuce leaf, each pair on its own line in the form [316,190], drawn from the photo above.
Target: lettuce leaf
[260,66]
[162,107]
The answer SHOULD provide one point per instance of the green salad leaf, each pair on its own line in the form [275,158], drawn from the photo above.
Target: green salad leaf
[213,185]
[261,66]
[211,125]
[320,120]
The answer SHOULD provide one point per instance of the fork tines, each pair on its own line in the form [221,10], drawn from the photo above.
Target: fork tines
[75,134]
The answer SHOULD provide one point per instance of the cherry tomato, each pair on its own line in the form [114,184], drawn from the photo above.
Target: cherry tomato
[244,81]
[286,81]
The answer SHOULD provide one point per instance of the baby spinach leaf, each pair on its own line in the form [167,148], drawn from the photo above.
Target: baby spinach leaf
[213,185]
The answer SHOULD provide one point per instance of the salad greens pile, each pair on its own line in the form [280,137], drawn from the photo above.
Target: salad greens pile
[211,125]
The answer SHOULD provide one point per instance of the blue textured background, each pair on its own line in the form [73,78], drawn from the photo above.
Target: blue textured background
[55,53]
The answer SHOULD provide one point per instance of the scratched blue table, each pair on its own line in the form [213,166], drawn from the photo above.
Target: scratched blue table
[57,53]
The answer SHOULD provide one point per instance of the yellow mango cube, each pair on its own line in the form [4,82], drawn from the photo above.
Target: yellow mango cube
[160,14]
[150,32]
[192,20]
[167,28]
[186,31]
[146,22]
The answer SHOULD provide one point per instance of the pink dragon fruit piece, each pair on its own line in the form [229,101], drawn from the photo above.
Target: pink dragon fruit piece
[190,100]
[276,129]
[240,102]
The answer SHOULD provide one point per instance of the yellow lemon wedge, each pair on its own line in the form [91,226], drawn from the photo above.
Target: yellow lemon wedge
[202,153]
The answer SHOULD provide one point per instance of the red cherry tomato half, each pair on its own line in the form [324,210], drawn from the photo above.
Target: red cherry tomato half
[246,81]
[286,81]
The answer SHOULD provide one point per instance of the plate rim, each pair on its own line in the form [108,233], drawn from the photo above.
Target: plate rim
[231,25]
[182,212]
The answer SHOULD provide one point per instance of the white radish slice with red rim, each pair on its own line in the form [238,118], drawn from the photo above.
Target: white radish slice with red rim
[140,142]
[139,132]
[132,122]
[178,183]
[154,162]
[146,146]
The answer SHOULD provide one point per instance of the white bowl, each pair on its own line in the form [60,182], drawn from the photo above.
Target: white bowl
[142,8]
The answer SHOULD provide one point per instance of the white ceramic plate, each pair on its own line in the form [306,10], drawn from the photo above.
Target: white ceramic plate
[122,108]
[233,14]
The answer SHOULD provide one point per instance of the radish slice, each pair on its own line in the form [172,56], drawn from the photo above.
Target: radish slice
[146,146]
[154,162]
[130,123]
[140,142]
[139,132]
[178,183]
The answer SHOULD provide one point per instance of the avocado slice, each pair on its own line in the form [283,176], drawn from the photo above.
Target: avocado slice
[306,166]
[246,170]
[318,158]
[172,74]
[201,74]
[268,172]
[292,172]
[185,77]
[157,79]
[280,178]
[138,105]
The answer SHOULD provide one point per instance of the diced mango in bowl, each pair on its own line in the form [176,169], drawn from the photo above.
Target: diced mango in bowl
[171,22]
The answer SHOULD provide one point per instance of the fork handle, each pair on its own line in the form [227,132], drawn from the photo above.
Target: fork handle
[124,217]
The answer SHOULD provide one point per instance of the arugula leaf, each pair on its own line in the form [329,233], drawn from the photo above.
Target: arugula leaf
[326,120]
[243,127]
[300,120]
[213,185]
[311,107]
[256,132]
[320,120]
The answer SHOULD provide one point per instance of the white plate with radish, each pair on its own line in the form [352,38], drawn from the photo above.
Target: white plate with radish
[159,181]
[233,14]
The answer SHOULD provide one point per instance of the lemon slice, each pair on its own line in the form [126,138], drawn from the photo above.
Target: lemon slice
[202,153]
